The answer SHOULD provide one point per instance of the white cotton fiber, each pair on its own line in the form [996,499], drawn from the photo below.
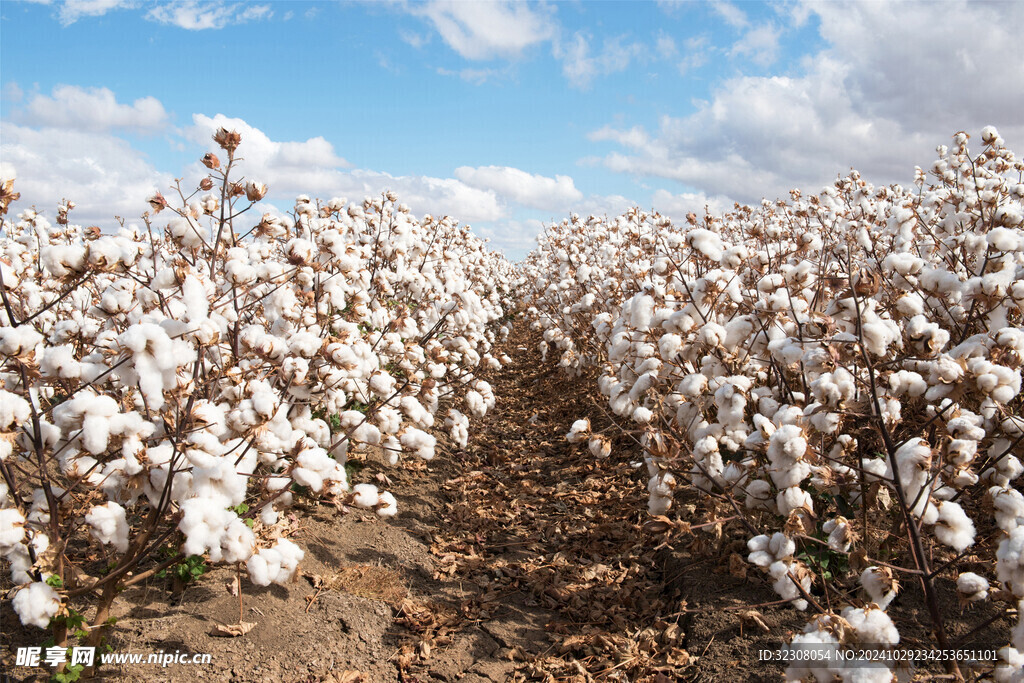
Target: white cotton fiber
[276,564]
[108,524]
[36,604]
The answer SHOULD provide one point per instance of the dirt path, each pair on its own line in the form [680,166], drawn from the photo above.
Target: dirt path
[519,558]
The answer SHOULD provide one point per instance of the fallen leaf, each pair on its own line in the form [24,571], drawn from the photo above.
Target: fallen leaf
[232,630]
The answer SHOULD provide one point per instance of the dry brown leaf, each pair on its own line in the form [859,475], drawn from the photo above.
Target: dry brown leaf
[232,630]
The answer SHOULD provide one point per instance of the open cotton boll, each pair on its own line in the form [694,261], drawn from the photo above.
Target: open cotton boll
[365,495]
[36,604]
[953,527]
[1010,668]
[579,431]
[419,442]
[276,564]
[759,496]
[707,243]
[642,415]
[1010,561]
[793,498]
[817,645]
[208,527]
[387,505]
[108,524]
[12,528]
[840,534]
[475,403]
[459,426]
[783,575]
[1008,504]
[880,584]
[872,626]
[600,446]
[972,587]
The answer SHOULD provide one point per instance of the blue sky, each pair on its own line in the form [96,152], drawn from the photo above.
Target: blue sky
[503,114]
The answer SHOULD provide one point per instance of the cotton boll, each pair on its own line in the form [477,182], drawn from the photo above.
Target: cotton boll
[793,498]
[817,646]
[419,442]
[642,415]
[268,515]
[872,626]
[880,584]
[759,554]
[953,527]
[276,564]
[1010,668]
[12,528]
[109,525]
[759,496]
[783,575]
[1008,505]
[36,604]
[579,431]
[972,587]
[1010,561]
[387,505]
[365,495]
[459,426]
[600,446]
[840,534]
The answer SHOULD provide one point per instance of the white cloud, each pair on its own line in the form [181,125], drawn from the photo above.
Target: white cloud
[580,66]
[73,10]
[194,15]
[760,44]
[485,30]
[894,81]
[475,76]
[92,109]
[676,206]
[696,55]
[665,45]
[308,167]
[732,14]
[100,172]
[528,189]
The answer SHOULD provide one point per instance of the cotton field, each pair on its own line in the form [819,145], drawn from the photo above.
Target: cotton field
[836,375]
[825,368]
[183,380]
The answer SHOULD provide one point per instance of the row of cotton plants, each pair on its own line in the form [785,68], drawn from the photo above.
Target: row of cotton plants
[178,384]
[828,368]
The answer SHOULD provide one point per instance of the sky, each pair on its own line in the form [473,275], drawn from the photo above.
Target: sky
[505,115]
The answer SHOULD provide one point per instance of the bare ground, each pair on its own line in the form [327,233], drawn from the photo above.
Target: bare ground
[519,558]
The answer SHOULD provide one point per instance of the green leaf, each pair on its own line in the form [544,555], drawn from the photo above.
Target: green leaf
[54,581]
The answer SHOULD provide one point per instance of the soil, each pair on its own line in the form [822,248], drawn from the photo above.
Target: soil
[521,557]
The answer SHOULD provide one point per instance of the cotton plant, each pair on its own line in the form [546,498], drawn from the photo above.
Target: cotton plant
[187,378]
[860,345]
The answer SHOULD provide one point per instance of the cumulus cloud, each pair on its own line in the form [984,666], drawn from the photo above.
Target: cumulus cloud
[528,189]
[760,44]
[676,206]
[72,10]
[732,14]
[486,30]
[580,65]
[194,15]
[894,81]
[92,109]
[100,172]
